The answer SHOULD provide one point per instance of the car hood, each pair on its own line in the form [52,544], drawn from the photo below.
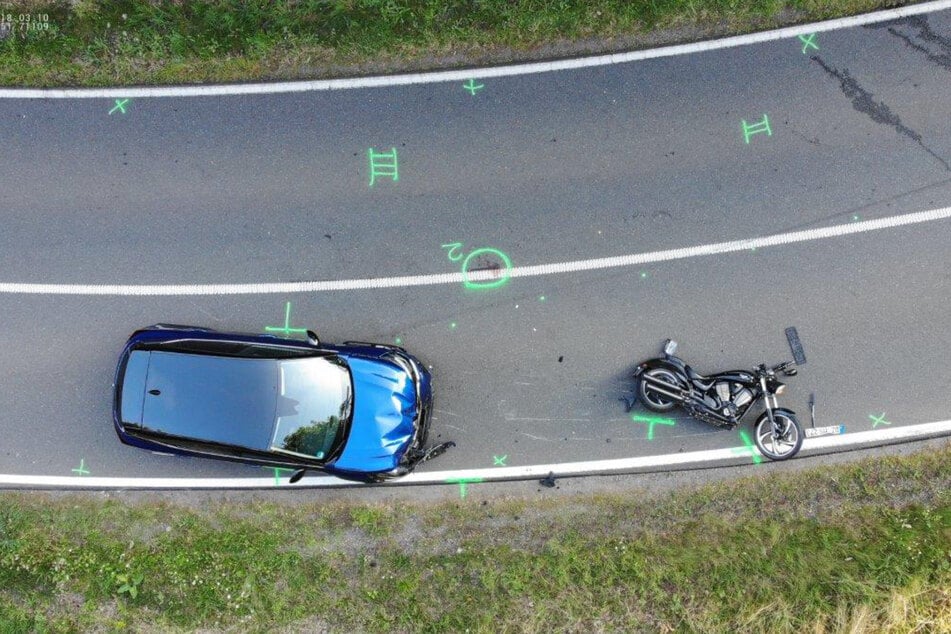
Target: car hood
[384,406]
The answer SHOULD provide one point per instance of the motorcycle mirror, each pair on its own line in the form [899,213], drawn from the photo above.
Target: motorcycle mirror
[670,347]
[790,371]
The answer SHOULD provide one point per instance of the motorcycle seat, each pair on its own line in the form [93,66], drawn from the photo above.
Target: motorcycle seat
[704,382]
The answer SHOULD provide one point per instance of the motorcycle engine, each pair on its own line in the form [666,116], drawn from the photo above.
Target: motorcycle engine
[732,396]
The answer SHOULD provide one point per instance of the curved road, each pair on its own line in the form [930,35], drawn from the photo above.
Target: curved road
[561,166]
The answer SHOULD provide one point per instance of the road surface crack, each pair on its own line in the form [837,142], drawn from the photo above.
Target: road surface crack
[879,112]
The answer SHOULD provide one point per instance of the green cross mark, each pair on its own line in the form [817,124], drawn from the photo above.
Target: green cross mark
[81,469]
[878,420]
[651,421]
[748,448]
[277,474]
[472,87]
[286,328]
[462,482]
[749,129]
[808,41]
[499,461]
[120,106]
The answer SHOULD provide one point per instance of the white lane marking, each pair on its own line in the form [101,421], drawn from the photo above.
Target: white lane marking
[487,474]
[481,73]
[483,275]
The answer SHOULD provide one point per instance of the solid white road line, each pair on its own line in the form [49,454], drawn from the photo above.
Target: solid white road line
[693,458]
[482,275]
[480,73]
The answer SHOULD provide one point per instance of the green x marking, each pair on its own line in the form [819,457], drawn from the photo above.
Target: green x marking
[651,421]
[120,106]
[808,41]
[81,470]
[472,87]
[286,328]
[277,474]
[748,448]
[878,420]
[462,482]
[499,461]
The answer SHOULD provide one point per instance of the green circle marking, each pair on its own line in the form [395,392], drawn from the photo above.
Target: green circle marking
[506,272]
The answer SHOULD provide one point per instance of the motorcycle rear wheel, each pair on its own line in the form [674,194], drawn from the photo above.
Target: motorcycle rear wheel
[652,400]
[783,446]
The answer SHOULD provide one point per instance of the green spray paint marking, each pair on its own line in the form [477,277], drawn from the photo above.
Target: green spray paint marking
[499,461]
[277,474]
[120,106]
[286,328]
[462,482]
[81,470]
[651,421]
[878,420]
[756,128]
[383,164]
[808,41]
[453,249]
[748,449]
[504,275]
[472,87]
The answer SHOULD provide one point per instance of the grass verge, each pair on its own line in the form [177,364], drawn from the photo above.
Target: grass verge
[119,42]
[858,548]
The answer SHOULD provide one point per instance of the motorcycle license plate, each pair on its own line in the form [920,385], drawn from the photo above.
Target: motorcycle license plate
[831,430]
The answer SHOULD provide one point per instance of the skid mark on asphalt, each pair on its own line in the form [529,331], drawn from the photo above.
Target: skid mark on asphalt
[925,32]
[877,111]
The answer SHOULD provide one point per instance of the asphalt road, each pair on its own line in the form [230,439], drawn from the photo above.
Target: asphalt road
[562,166]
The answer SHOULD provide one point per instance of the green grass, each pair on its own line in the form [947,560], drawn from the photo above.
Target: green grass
[109,42]
[859,548]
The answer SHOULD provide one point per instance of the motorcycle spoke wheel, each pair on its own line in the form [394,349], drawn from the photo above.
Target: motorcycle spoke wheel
[779,447]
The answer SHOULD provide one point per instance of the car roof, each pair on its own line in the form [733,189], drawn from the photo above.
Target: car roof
[229,400]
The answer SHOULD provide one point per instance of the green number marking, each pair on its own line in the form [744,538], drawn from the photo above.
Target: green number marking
[651,421]
[286,328]
[748,448]
[453,250]
[383,164]
[808,41]
[499,461]
[756,128]
[504,275]
[81,470]
[120,106]
[462,482]
[878,420]
[472,87]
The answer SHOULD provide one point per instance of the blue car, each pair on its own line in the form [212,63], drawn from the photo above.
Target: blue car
[358,411]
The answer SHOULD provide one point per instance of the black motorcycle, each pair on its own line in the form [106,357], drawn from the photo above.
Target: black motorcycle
[723,399]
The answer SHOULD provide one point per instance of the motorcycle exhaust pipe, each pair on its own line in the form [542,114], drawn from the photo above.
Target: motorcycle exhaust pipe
[659,387]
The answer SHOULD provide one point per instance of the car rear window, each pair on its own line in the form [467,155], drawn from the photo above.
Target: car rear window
[133,387]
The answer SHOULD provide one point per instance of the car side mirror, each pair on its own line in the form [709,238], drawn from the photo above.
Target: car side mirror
[297,475]
[312,338]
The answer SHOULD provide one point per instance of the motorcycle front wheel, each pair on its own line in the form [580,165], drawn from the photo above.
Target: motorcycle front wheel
[780,446]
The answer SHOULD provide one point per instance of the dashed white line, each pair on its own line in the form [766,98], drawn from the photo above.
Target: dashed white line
[482,275]
[618,465]
[481,73]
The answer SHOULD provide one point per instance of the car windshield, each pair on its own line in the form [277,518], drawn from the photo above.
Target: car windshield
[313,406]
